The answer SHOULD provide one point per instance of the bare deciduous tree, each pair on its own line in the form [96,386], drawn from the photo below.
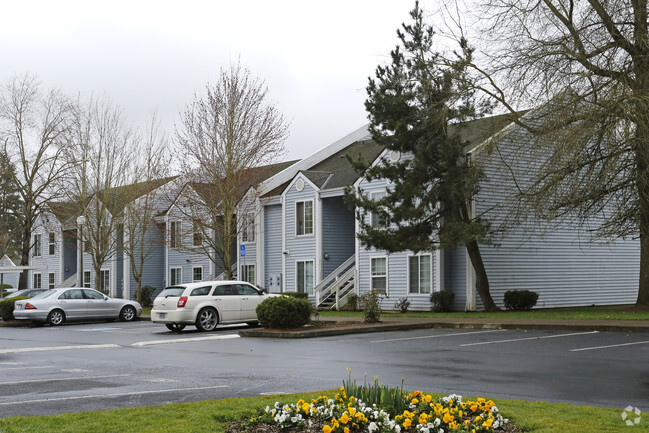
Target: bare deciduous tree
[142,234]
[224,133]
[34,129]
[588,62]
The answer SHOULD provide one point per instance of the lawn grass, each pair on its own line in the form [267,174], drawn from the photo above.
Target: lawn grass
[215,416]
[615,312]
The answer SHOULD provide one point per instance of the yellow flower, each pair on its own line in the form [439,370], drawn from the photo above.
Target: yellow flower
[407,423]
[415,401]
[448,418]
[344,419]
[326,429]
[474,407]
[428,398]
[305,407]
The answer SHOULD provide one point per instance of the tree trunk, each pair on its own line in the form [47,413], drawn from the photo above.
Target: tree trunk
[24,258]
[481,282]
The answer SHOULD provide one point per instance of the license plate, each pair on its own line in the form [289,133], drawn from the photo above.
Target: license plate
[162,315]
[18,306]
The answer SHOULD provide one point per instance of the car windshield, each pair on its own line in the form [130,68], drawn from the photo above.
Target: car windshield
[44,294]
[171,291]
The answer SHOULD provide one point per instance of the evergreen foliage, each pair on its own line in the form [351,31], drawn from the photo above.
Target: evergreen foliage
[10,202]
[411,104]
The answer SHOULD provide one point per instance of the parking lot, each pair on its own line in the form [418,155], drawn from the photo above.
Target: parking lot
[98,366]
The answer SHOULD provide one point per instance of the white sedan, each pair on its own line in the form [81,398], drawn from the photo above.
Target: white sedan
[56,306]
[206,304]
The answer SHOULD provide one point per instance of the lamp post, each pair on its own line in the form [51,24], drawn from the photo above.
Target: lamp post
[81,221]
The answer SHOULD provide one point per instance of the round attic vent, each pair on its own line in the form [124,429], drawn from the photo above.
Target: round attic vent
[299,185]
[395,156]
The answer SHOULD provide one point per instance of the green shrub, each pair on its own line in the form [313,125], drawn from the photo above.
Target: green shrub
[442,301]
[520,299]
[353,301]
[299,295]
[7,307]
[402,305]
[146,292]
[3,289]
[284,312]
[370,303]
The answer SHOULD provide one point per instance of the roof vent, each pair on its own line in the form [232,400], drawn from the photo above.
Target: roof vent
[299,185]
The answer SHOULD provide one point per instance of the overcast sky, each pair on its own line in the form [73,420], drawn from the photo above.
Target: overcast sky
[315,57]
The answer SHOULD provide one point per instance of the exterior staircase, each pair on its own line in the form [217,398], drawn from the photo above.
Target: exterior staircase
[332,291]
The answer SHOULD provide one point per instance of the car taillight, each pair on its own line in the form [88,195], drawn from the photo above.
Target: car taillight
[182,301]
[29,306]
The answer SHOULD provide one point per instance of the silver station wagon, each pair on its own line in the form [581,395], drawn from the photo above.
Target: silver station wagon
[207,304]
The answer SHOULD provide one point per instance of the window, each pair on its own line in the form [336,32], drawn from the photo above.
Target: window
[50,282]
[419,272]
[305,276]
[52,245]
[104,281]
[379,274]
[248,228]
[91,294]
[176,276]
[38,245]
[72,294]
[304,218]
[248,273]
[198,235]
[377,221]
[174,234]
[201,291]
[223,291]
[86,278]
[38,281]
[197,274]
[246,290]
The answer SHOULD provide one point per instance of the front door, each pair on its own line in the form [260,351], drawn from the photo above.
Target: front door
[250,298]
[73,303]
[228,302]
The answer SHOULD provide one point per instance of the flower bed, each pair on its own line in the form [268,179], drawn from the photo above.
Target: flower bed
[344,414]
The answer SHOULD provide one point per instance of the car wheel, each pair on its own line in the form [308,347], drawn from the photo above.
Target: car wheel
[174,327]
[207,319]
[56,317]
[127,314]
[252,324]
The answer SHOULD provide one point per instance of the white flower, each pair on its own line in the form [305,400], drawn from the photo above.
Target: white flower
[372,427]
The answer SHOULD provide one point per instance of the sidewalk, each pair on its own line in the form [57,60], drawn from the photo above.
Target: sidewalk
[327,326]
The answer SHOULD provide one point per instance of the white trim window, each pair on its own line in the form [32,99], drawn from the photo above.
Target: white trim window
[248,228]
[104,280]
[38,245]
[304,218]
[379,274]
[175,276]
[197,274]
[52,243]
[175,236]
[38,280]
[50,280]
[248,274]
[419,274]
[86,278]
[377,221]
[304,276]
[197,235]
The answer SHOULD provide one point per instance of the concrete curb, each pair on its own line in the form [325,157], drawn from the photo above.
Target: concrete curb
[385,327]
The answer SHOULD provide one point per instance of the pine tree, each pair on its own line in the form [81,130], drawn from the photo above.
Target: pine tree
[9,203]
[411,104]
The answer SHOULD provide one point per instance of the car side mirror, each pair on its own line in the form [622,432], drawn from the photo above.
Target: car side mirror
[105,298]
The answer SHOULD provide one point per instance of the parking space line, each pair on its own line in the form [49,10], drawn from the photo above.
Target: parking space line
[528,338]
[185,340]
[62,379]
[26,368]
[609,346]
[438,336]
[120,394]
[54,348]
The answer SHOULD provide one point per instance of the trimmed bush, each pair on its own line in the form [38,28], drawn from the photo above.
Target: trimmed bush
[299,295]
[442,301]
[145,295]
[282,312]
[3,289]
[370,303]
[402,305]
[7,307]
[520,299]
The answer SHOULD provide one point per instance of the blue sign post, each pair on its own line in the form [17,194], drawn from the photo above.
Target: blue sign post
[243,250]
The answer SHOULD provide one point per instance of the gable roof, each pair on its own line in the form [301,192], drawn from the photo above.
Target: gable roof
[116,198]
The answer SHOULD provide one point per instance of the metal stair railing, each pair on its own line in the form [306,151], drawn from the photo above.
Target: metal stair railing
[70,282]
